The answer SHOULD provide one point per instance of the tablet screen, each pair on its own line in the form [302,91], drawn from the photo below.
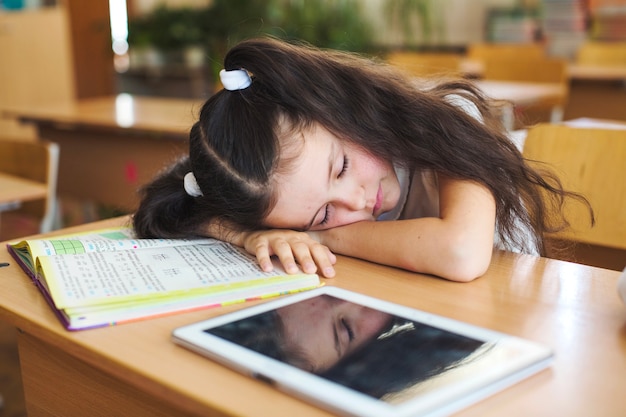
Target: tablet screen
[362,356]
[368,350]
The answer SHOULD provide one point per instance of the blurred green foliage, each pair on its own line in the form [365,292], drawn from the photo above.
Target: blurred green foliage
[337,24]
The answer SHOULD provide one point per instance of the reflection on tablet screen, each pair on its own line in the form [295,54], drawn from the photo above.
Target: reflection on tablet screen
[370,351]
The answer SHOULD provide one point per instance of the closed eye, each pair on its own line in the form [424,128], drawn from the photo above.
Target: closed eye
[327,208]
[344,168]
[348,329]
[326,215]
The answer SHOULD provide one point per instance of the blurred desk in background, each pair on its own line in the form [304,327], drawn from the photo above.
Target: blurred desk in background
[110,146]
[597,72]
[589,123]
[475,69]
[15,190]
[597,91]
[521,94]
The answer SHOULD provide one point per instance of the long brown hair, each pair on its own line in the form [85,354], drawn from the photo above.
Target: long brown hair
[235,146]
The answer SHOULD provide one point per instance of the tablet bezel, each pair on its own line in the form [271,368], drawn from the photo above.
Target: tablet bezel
[530,358]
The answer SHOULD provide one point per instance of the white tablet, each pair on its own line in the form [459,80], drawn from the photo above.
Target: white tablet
[360,356]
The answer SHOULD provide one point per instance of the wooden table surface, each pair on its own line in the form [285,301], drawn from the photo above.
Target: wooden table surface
[111,146]
[126,113]
[575,71]
[123,112]
[523,93]
[14,190]
[175,116]
[573,309]
[597,72]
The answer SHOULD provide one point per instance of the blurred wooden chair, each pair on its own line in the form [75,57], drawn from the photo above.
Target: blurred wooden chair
[427,64]
[482,51]
[37,161]
[601,53]
[590,161]
[478,53]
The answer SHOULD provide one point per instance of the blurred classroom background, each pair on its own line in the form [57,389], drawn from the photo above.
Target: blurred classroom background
[112,85]
[106,90]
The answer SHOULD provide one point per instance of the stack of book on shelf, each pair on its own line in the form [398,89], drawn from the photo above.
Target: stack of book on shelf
[608,22]
[564,26]
[108,276]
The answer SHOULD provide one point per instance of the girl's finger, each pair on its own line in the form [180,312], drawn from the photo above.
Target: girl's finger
[302,252]
[283,250]
[325,260]
[263,257]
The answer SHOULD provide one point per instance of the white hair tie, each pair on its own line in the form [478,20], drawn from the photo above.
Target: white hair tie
[235,79]
[191,185]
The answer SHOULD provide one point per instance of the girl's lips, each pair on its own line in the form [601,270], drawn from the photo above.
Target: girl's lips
[379,201]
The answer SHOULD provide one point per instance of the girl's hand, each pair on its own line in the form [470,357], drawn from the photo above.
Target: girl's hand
[292,249]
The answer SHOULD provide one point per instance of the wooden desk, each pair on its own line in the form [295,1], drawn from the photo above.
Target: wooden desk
[475,69]
[135,369]
[597,72]
[597,91]
[592,123]
[112,145]
[523,93]
[14,190]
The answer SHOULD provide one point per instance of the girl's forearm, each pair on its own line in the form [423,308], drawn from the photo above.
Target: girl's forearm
[426,245]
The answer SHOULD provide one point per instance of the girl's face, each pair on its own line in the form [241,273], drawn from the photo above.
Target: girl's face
[332,183]
[327,329]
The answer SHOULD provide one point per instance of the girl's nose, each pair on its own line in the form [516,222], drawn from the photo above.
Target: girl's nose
[353,199]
